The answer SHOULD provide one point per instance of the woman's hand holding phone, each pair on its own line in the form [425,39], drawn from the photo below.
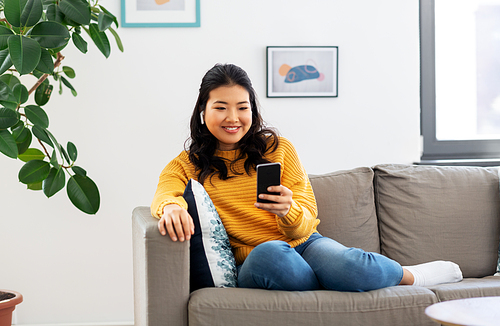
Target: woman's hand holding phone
[282,202]
[177,222]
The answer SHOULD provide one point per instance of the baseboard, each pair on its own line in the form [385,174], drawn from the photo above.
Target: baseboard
[83,324]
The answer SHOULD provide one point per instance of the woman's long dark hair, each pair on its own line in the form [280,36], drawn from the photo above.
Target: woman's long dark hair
[258,141]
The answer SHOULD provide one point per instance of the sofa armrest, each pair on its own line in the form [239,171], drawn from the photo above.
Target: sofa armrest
[161,274]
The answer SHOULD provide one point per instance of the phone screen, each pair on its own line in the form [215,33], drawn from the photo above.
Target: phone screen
[268,174]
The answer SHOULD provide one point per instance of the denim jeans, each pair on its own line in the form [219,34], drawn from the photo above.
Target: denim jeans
[319,263]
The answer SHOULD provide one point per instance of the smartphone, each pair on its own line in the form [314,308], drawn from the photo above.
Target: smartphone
[268,174]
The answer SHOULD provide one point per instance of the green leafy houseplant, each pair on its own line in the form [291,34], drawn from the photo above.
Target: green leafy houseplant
[32,35]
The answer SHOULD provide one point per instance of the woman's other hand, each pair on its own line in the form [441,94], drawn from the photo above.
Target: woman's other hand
[283,201]
[177,222]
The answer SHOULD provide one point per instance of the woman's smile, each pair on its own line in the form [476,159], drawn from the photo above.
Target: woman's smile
[231,129]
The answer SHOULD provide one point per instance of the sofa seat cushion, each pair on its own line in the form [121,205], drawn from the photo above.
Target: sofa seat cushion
[468,288]
[439,213]
[346,207]
[400,305]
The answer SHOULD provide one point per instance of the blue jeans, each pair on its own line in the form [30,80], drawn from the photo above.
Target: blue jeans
[319,263]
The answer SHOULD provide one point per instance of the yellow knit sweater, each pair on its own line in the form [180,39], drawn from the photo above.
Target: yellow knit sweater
[234,198]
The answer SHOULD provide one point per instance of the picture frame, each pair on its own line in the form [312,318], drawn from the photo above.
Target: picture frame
[160,13]
[302,71]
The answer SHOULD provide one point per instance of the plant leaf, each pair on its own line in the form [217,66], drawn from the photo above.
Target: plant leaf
[100,39]
[5,62]
[68,85]
[34,171]
[21,13]
[53,159]
[17,129]
[83,193]
[31,13]
[110,14]
[54,13]
[76,10]
[50,34]
[79,42]
[20,93]
[42,93]
[46,64]
[70,72]
[104,21]
[35,186]
[79,170]
[66,157]
[50,12]
[54,182]
[117,39]
[5,33]
[7,144]
[13,11]
[5,90]
[41,134]
[56,143]
[72,151]
[37,115]
[10,80]
[23,138]
[24,53]
[7,98]
[8,118]
[31,154]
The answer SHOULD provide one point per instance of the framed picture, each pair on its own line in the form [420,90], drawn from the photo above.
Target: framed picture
[160,13]
[302,71]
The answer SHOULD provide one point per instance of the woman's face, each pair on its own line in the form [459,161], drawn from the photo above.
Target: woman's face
[228,115]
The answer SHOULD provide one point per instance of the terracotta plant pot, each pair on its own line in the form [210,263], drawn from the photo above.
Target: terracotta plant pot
[8,305]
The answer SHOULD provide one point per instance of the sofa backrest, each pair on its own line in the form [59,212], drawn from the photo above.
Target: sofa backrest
[346,207]
[439,213]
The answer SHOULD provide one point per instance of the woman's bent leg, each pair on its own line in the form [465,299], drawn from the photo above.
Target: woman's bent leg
[350,269]
[275,266]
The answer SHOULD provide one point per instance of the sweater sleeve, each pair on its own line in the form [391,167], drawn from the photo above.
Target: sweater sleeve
[301,220]
[172,182]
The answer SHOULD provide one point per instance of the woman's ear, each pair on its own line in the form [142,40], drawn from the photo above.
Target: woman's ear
[202,114]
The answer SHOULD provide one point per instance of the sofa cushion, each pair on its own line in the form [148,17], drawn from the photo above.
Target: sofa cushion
[439,213]
[468,288]
[398,305]
[211,260]
[346,207]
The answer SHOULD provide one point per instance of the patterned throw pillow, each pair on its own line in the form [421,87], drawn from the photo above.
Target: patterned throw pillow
[498,264]
[212,263]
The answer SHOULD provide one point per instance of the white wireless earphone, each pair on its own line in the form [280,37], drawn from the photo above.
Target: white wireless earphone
[201,117]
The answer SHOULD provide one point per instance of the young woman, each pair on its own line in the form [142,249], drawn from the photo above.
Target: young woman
[276,245]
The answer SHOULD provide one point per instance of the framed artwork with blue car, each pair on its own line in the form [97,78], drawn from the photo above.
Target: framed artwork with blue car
[302,71]
[160,13]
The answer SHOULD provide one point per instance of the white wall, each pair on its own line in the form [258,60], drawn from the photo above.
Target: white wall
[130,118]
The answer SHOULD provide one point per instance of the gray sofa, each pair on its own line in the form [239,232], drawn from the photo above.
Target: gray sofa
[412,214]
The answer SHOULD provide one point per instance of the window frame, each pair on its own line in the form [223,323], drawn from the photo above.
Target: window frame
[434,150]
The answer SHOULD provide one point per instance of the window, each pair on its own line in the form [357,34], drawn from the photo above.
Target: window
[460,80]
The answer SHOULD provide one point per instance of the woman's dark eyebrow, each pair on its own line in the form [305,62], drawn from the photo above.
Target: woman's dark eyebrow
[222,102]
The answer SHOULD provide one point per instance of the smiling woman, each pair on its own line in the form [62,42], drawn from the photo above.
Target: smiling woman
[228,115]
[275,242]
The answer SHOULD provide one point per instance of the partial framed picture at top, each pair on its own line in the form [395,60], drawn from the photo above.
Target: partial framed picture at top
[302,71]
[160,13]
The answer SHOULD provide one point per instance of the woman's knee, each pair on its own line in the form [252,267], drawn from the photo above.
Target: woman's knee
[275,265]
[265,255]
